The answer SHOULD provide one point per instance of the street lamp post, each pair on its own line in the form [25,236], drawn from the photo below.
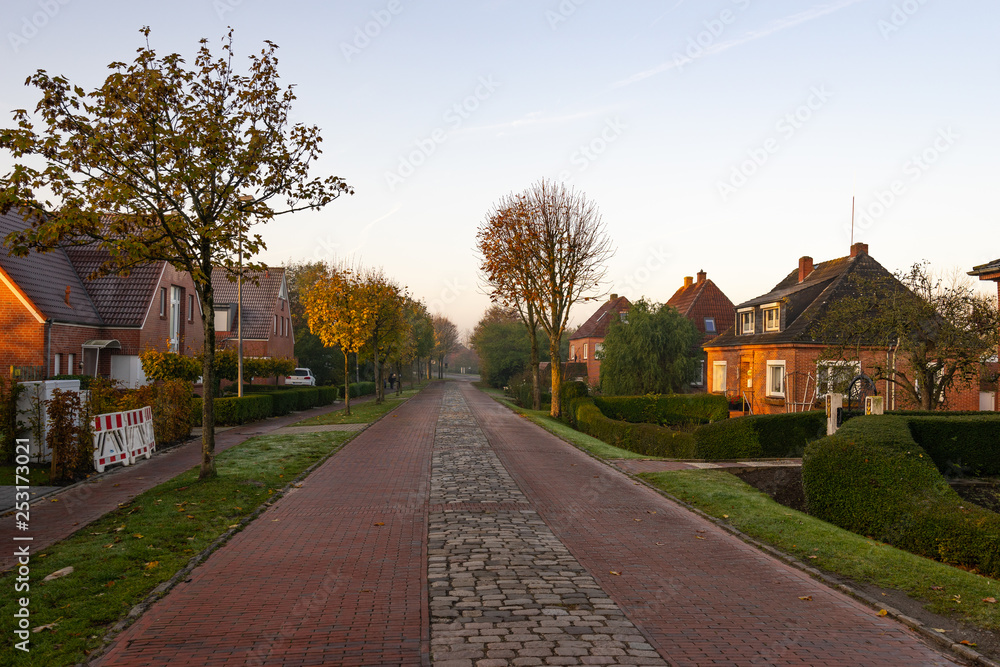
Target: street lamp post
[239,312]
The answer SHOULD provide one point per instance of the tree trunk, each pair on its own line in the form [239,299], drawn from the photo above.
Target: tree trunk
[208,390]
[536,384]
[347,385]
[556,410]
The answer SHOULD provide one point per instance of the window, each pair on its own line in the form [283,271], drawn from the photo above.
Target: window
[709,325]
[163,302]
[585,351]
[699,374]
[56,365]
[176,294]
[598,348]
[719,376]
[772,319]
[746,321]
[190,307]
[69,364]
[776,379]
[275,325]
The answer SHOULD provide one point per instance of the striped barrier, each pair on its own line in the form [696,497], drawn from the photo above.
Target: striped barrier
[122,437]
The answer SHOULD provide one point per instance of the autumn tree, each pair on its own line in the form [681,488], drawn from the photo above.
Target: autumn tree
[938,333]
[501,341]
[445,340]
[422,331]
[325,362]
[164,162]
[387,323]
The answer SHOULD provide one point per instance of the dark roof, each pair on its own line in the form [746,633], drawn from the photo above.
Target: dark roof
[260,295]
[597,325]
[806,303]
[988,271]
[122,301]
[45,276]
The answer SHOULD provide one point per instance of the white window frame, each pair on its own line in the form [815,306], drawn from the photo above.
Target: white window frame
[710,325]
[174,326]
[699,374]
[598,348]
[585,346]
[57,364]
[190,307]
[772,318]
[70,358]
[716,367]
[163,302]
[746,317]
[773,367]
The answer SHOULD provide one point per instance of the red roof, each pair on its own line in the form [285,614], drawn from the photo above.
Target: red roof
[597,325]
[703,299]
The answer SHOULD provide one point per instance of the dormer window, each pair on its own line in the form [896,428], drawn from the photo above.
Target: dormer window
[772,317]
[746,321]
[709,325]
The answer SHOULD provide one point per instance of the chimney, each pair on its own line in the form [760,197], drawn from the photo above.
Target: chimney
[859,249]
[613,297]
[701,276]
[66,298]
[805,267]
[688,281]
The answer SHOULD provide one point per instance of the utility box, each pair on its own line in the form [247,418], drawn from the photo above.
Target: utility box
[874,405]
[834,412]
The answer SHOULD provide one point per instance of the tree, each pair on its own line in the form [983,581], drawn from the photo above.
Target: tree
[422,331]
[387,324]
[323,361]
[445,340]
[650,353]
[338,311]
[938,334]
[501,341]
[165,163]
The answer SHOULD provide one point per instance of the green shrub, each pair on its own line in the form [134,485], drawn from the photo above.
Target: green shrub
[307,397]
[670,410]
[171,404]
[234,411]
[327,395]
[756,436]
[283,401]
[872,478]
[970,445]
[359,389]
[647,439]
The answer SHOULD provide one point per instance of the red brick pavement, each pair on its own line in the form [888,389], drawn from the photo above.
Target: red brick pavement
[701,595]
[314,580]
[79,505]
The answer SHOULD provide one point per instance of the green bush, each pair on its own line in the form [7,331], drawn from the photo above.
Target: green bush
[669,410]
[756,436]
[327,395]
[359,389]
[872,478]
[647,439]
[283,401]
[967,445]
[233,411]
[307,397]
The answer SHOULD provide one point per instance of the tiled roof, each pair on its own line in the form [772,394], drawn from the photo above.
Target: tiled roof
[45,277]
[987,269]
[597,325]
[260,295]
[122,301]
[700,300]
[806,303]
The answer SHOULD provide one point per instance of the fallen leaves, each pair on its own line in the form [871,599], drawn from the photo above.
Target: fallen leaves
[379,523]
[617,574]
[58,574]
[937,588]
[806,598]
[966,642]
[152,564]
[882,612]
[40,628]
[990,600]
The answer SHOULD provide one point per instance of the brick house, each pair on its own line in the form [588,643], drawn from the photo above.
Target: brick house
[770,355]
[59,320]
[990,271]
[709,309]
[267,321]
[586,341]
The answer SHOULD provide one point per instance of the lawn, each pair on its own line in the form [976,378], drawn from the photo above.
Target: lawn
[38,474]
[361,413]
[945,590]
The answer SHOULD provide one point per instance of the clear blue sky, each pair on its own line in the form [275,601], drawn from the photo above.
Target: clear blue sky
[724,135]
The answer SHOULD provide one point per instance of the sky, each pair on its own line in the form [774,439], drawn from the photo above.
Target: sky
[728,136]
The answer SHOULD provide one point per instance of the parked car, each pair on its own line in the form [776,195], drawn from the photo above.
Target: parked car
[301,376]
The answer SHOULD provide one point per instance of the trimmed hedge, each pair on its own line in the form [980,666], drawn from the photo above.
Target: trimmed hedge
[359,389]
[674,409]
[872,478]
[760,436]
[969,444]
[234,411]
[647,439]
[327,395]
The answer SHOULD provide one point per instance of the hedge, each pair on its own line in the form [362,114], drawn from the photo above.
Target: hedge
[758,436]
[963,445]
[327,395]
[674,409]
[872,478]
[359,389]
[647,439]
[233,411]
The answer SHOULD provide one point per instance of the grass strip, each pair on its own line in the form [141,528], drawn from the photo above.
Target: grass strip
[361,413]
[38,473]
[943,589]
[119,559]
[596,447]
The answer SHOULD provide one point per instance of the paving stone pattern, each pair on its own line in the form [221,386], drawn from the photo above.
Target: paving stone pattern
[503,589]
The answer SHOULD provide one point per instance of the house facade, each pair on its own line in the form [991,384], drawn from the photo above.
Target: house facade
[267,320]
[770,357]
[709,309]
[990,271]
[585,343]
[60,321]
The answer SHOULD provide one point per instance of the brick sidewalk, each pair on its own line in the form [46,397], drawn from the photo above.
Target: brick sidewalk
[333,574]
[698,593]
[57,517]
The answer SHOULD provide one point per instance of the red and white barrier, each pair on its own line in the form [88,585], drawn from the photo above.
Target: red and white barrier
[122,437]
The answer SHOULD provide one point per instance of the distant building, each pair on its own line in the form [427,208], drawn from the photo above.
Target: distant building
[990,271]
[585,344]
[709,309]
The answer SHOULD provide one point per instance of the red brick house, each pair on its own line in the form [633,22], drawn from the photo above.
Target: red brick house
[709,309]
[990,271]
[585,343]
[59,321]
[770,355]
[267,321]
